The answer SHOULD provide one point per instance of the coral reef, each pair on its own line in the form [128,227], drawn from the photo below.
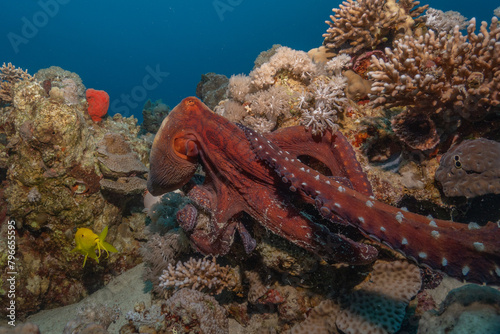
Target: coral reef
[470,169]
[365,24]
[294,62]
[120,166]
[52,188]
[328,255]
[357,88]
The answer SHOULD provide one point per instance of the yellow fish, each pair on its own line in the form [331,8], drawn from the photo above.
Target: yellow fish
[87,241]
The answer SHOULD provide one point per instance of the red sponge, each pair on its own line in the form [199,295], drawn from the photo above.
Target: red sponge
[98,101]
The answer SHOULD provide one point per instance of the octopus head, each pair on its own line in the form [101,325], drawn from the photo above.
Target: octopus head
[174,154]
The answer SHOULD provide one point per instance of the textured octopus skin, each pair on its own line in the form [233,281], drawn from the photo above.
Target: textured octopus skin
[464,251]
[238,181]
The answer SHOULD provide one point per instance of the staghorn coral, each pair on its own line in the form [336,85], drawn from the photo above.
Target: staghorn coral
[457,73]
[470,169]
[9,75]
[438,20]
[365,24]
[201,274]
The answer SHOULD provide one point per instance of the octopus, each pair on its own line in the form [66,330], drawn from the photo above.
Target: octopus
[263,175]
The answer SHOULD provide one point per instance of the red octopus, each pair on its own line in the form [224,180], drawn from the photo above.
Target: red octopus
[238,180]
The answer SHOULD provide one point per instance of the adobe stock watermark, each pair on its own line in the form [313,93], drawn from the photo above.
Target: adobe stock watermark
[223,6]
[11,272]
[138,94]
[30,27]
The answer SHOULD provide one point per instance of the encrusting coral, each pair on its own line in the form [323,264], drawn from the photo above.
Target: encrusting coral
[377,305]
[471,168]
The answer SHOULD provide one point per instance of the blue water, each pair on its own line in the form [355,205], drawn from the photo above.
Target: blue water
[158,49]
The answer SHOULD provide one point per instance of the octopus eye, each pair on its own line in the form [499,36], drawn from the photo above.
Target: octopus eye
[458,164]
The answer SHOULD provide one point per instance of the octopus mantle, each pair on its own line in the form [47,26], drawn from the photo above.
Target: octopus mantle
[263,176]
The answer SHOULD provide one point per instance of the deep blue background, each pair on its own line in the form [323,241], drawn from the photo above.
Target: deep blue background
[110,43]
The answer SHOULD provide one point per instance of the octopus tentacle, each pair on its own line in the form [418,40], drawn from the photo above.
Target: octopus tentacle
[463,251]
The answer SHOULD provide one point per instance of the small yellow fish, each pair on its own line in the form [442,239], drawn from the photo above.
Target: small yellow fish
[87,241]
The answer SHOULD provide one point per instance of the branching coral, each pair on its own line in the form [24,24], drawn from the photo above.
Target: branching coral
[365,24]
[9,75]
[201,274]
[459,73]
